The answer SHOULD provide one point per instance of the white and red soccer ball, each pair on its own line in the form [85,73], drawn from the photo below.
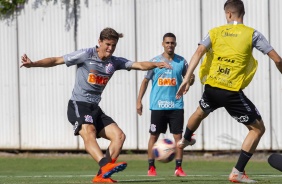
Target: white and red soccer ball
[164,150]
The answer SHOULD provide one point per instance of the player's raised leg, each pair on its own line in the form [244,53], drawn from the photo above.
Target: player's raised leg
[107,167]
[113,133]
[193,123]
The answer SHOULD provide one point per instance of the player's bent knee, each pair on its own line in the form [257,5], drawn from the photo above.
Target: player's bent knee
[122,137]
[259,128]
[119,138]
[200,113]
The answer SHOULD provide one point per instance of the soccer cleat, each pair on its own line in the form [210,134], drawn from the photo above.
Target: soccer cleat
[183,143]
[100,179]
[152,171]
[111,168]
[113,160]
[239,177]
[179,172]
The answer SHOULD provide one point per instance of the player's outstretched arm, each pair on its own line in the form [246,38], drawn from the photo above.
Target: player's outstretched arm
[185,85]
[147,65]
[142,90]
[192,79]
[47,62]
[276,58]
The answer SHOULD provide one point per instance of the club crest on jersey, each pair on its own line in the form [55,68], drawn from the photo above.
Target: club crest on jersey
[88,119]
[110,68]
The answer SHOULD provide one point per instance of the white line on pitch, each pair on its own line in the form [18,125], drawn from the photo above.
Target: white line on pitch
[158,177]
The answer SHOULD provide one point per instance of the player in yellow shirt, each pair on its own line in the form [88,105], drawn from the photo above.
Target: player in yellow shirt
[227,69]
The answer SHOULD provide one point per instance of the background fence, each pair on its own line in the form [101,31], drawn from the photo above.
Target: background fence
[34,101]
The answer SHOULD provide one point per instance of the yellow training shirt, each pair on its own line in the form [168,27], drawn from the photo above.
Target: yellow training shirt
[229,64]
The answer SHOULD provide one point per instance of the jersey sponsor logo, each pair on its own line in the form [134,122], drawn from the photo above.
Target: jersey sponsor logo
[153,128]
[88,119]
[166,82]
[227,33]
[110,68]
[93,98]
[242,119]
[224,70]
[96,79]
[222,81]
[226,59]
[166,104]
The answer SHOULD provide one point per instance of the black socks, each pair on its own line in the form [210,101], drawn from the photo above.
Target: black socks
[151,163]
[178,163]
[243,160]
[188,134]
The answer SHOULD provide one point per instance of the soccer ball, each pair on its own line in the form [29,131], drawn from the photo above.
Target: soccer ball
[164,150]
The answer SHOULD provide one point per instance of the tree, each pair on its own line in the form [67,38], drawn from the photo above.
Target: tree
[8,7]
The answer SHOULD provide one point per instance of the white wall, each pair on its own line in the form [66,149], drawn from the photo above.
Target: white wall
[34,101]
[9,91]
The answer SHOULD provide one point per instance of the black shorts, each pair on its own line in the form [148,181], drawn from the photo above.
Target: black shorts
[236,104]
[85,113]
[161,118]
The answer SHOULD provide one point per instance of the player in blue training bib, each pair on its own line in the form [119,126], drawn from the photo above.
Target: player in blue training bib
[165,83]
[165,108]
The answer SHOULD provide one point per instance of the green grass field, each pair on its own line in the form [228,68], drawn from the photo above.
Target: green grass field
[80,169]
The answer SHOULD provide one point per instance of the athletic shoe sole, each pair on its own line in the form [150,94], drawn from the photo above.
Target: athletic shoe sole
[114,170]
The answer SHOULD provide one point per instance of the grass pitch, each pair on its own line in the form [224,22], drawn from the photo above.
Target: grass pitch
[80,169]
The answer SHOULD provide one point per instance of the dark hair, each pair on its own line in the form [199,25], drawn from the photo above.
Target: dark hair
[110,34]
[169,35]
[237,6]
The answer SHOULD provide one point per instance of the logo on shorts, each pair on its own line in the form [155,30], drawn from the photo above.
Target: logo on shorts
[204,104]
[88,119]
[242,119]
[75,126]
[153,128]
